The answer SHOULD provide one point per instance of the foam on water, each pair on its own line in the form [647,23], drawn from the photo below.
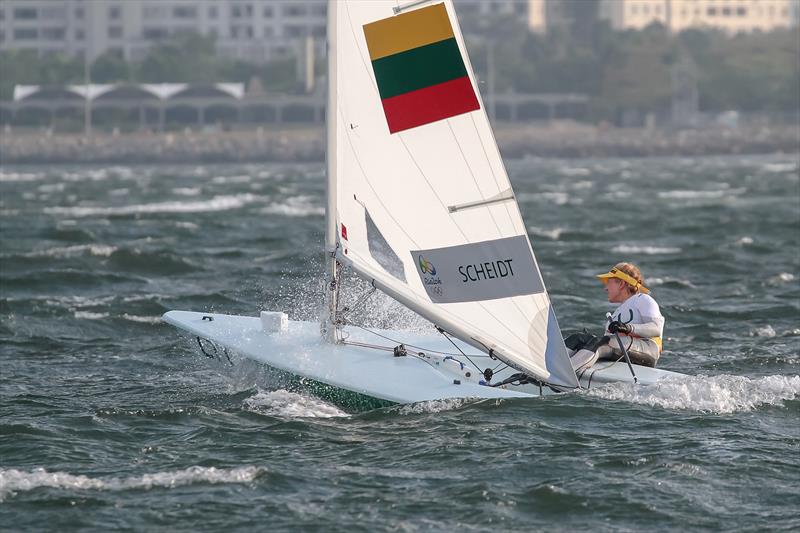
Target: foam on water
[724,394]
[701,195]
[243,178]
[13,481]
[780,279]
[574,171]
[142,319]
[88,315]
[99,250]
[296,206]
[285,404]
[655,282]
[766,331]
[20,176]
[218,203]
[647,250]
[557,198]
[779,168]
[552,234]
[186,191]
[51,187]
[434,406]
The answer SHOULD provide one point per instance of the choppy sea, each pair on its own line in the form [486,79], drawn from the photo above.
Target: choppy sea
[110,419]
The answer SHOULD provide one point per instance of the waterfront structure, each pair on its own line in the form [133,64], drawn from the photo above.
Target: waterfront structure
[160,105]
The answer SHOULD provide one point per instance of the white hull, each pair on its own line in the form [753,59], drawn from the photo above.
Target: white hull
[375,372]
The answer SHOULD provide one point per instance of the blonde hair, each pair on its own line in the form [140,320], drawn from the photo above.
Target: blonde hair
[634,272]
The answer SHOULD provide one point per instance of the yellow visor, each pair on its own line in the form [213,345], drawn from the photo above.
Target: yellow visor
[619,274]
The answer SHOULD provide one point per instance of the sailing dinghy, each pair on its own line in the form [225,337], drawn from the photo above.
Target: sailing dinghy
[420,206]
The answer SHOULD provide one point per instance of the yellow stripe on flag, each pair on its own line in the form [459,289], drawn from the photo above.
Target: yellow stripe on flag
[417,28]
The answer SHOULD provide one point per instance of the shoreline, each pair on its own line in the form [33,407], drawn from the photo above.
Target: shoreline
[307,144]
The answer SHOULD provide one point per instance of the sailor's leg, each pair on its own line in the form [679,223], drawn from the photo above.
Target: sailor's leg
[607,353]
[583,359]
[643,352]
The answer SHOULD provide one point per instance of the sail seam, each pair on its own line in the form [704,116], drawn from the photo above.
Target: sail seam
[523,230]
[491,169]
[374,193]
[360,52]
[400,138]
[494,220]
[471,173]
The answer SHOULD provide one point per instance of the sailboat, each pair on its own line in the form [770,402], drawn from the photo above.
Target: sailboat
[420,206]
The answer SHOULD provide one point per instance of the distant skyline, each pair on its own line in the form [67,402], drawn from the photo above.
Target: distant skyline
[258,31]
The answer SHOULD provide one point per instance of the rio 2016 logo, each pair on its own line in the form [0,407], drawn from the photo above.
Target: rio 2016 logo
[426,266]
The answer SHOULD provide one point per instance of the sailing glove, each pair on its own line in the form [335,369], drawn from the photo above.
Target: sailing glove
[619,327]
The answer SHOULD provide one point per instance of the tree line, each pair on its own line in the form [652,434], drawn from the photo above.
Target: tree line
[618,70]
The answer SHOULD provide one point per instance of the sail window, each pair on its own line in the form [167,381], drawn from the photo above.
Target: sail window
[380,250]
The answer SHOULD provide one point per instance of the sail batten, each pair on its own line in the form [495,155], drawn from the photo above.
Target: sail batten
[398,172]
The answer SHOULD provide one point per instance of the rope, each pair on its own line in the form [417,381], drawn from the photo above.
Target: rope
[361,301]
[446,336]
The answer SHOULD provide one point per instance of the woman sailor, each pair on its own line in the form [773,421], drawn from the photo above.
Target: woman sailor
[638,321]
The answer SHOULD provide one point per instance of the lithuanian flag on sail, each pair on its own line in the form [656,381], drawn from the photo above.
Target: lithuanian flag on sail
[419,69]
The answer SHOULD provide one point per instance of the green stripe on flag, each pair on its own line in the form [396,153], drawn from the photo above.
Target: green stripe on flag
[418,68]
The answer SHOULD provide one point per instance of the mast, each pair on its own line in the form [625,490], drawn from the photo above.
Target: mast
[327,326]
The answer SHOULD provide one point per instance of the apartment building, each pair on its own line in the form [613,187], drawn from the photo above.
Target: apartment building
[251,30]
[732,16]
[260,30]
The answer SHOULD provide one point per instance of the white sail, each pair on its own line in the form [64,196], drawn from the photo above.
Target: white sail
[419,199]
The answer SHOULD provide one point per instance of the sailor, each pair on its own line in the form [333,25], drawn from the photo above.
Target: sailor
[638,321]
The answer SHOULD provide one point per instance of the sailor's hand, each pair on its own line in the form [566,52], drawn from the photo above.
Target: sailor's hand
[619,327]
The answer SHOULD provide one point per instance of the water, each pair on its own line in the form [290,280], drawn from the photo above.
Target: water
[111,420]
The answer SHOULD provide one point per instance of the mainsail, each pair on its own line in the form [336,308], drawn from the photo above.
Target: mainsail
[419,201]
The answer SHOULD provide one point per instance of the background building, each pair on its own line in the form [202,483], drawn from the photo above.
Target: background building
[732,16]
[258,31]
[252,30]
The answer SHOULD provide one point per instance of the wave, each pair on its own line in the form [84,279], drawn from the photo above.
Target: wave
[552,234]
[434,406]
[187,191]
[218,203]
[99,250]
[779,168]
[574,171]
[780,279]
[244,178]
[142,319]
[656,282]
[20,176]
[647,250]
[297,206]
[765,331]
[698,195]
[13,481]
[724,394]
[88,315]
[285,404]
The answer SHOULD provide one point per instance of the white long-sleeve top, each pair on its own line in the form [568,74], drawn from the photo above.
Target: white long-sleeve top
[644,316]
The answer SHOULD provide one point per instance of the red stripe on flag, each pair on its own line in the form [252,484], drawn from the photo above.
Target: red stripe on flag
[430,104]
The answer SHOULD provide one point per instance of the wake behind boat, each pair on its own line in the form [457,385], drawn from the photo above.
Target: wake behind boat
[421,207]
